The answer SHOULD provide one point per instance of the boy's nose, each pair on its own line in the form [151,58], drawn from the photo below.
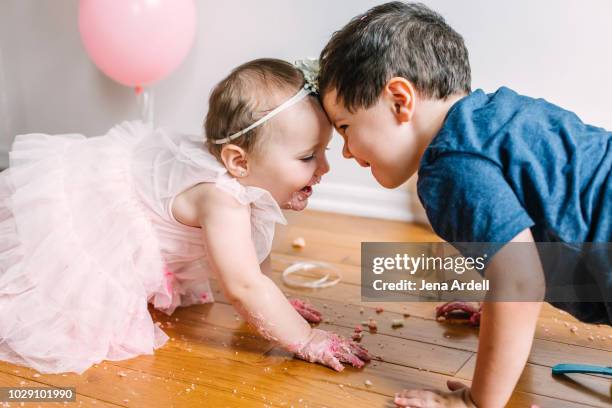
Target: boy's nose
[346,152]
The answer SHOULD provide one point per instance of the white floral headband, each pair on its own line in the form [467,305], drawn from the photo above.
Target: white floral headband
[310,70]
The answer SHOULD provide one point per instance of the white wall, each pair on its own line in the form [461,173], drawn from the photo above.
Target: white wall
[556,49]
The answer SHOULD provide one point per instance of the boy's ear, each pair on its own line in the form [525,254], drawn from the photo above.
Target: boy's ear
[401,93]
[235,160]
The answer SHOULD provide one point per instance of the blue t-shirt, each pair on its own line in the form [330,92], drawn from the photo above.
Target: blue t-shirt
[504,162]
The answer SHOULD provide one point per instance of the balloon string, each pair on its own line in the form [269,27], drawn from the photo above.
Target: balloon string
[146,104]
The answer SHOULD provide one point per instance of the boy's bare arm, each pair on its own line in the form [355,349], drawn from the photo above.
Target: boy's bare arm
[506,333]
[507,328]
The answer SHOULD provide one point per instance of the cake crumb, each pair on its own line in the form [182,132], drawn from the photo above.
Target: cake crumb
[372,325]
[395,323]
[298,243]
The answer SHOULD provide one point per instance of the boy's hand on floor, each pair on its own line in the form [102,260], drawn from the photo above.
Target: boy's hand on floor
[306,310]
[458,397]
[332,350]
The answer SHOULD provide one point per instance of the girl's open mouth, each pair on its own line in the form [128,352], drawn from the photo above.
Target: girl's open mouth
[299,199]
[307,190]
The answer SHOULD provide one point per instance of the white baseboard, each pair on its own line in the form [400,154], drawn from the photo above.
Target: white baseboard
[399,204]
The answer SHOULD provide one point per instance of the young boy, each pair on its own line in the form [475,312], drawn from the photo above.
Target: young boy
[495,168]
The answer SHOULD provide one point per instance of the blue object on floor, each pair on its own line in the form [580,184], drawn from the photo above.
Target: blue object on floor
[581,368]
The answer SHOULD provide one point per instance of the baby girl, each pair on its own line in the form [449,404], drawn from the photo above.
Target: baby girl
[94,228]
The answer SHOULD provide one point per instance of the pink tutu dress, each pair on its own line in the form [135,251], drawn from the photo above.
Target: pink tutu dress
[87,238]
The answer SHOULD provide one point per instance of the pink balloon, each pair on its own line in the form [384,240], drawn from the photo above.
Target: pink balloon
[137,42]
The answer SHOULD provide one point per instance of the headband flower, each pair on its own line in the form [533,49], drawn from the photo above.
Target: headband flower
[310,70]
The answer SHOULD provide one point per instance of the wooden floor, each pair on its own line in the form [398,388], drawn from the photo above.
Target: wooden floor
[215,360]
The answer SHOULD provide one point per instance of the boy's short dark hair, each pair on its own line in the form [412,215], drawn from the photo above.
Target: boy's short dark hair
[394,39]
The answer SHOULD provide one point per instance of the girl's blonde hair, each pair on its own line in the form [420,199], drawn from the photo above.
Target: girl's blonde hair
[243,97]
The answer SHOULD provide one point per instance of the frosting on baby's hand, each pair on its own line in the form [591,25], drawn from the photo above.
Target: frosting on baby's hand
[332,350]
[306,310]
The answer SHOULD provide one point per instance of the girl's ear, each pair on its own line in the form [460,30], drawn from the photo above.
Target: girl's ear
[401,94]
[235,160]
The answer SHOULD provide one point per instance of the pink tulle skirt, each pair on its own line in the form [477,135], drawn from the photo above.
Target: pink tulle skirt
[78,255]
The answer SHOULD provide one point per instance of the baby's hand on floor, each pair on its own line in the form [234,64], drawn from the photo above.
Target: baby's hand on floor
[306,310]
[458,397]
[332,350]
